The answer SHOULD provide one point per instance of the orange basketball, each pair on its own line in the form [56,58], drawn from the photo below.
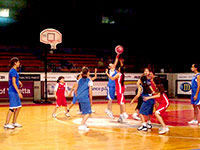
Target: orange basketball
[119,49]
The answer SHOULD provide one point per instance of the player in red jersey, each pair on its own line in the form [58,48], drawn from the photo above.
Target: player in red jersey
[120,88]
[163,101]
[60,89]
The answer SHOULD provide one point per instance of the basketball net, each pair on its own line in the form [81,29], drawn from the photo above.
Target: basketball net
[53,45]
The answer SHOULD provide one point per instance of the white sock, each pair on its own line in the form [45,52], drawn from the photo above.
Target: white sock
[149,122]
[144,124]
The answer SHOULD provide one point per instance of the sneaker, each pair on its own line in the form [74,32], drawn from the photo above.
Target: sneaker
[149,126]
[135,116]
[120,118]
[125,116]
[193,122]
[93,111]
[83,128]
[106,111]
[109,113]
[17,125]
[163,130]
[67,115]
[9,126]
[167,129]
[142,128]
[54,115]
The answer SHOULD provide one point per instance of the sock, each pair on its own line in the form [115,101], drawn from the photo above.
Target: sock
[144,124]
[149,122]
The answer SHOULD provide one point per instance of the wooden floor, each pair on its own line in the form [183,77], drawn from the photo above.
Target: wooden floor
[41,131]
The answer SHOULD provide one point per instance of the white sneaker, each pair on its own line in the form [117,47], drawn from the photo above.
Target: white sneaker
[163,130]
[142,128]
[125,116]
[135,116]
[17,125]
[83,128]
[67,115]
[167,129]
[9,126]
[193,122]
[109,113]
[54,115]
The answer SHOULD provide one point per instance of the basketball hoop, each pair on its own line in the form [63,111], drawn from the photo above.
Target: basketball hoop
[51,36]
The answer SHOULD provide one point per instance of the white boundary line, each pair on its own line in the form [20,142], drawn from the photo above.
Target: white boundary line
[136,133]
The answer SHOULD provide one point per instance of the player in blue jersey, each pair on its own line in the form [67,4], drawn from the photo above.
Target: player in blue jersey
[111,87]
[14,95]
[195,96]
[83,92]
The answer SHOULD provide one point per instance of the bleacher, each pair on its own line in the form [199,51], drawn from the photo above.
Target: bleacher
[77,61]
[28,60]
[34,62]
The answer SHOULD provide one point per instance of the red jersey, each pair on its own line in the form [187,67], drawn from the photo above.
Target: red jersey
[61,89]
[60,93]
[163,99]
[163,104]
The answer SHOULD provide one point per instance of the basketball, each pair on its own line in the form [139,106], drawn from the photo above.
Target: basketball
[119,49]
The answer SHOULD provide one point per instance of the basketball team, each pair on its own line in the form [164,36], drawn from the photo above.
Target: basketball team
[149,95]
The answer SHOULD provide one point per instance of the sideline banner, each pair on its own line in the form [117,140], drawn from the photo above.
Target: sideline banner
[183,87]
[99,88]
[27,89]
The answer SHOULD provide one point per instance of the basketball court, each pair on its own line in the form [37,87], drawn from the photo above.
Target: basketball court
[41,131]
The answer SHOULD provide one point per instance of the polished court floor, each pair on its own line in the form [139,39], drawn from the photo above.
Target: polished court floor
[41,131]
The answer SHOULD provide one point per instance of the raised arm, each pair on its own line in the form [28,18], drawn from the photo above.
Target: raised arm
[95,75]
[112,78]
[116,61]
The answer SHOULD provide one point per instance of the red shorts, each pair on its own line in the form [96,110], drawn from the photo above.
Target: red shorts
[161,108]
[61,101]
[120,98]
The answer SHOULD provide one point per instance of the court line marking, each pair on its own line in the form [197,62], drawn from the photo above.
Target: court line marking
[137,133]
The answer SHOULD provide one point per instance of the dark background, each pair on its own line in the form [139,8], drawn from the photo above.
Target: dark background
[166,33]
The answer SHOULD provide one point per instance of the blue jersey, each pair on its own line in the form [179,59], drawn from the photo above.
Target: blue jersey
[13,73]
[194,86]
[83,90]
[111,83]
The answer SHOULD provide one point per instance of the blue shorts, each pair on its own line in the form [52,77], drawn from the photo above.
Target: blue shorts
[74,99]
[85,108]
[195,102]
[110,92]
[147,107]
[14,100]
